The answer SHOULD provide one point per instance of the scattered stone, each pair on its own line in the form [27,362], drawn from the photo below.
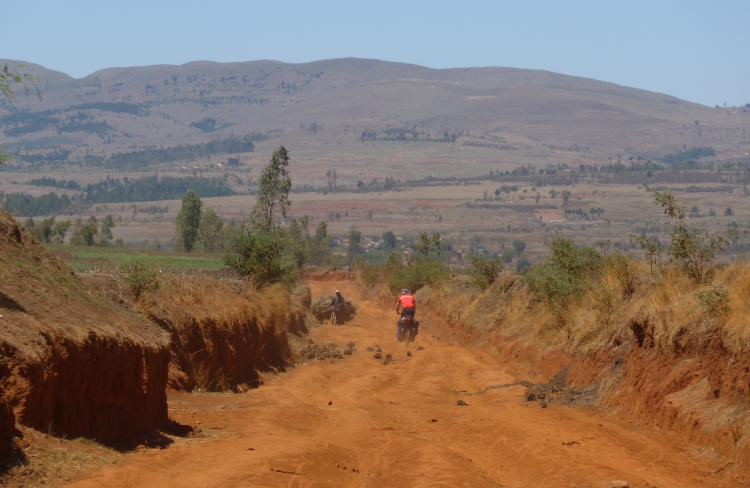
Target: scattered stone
[408,353]
[543,404]
[388,357]
[250,448]
[318,351]
[433,420]
[378,349]
[529,396]
[385,361]
[617,484]
[461,403]
[420,348]
[570,443]
[347,352]
[377,355]
[394,403]
[370,348]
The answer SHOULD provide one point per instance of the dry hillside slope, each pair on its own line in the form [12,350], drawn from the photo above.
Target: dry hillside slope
[501,110]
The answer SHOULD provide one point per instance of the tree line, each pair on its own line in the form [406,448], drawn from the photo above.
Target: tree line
[144,189]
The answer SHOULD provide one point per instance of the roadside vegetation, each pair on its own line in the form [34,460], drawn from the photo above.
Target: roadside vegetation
[587,296]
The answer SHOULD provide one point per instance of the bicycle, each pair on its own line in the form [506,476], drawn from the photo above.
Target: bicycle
[334,317]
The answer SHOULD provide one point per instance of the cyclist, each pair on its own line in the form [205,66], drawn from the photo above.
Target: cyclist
[408,307]
[336,303]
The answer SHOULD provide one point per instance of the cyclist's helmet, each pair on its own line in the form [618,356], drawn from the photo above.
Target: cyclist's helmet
[404,291]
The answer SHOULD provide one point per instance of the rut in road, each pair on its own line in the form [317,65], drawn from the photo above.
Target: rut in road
[357,422]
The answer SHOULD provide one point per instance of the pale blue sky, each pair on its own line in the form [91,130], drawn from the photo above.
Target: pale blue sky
[695,50]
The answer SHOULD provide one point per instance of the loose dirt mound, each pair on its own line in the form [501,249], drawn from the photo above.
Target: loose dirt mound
[224,334]
[71,362]
[319,351]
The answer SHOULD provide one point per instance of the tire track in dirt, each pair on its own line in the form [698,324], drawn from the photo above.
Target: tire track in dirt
[379,431]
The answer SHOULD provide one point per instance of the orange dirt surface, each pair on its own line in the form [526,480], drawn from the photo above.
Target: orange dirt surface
[358,422]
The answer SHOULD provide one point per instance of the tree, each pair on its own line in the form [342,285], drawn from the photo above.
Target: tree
[210,232]
[519,246]
[274,186]
[319,244]
[566,196]
[85,234]
[61,228]
[355,239]
[45,232]
[693,250]
[553,193]
[105,235]
[29,224]
[389,240]
[8,78]
[296,244]
[187,223]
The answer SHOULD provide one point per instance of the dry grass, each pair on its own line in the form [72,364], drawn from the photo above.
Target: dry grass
[224,332]
[603,318]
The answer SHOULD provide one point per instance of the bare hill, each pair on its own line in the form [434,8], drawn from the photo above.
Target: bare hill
[488,113]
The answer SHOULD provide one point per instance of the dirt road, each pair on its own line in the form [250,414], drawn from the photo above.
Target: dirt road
[358,422]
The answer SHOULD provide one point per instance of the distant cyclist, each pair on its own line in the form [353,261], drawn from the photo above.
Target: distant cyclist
[336,303]
[408,307]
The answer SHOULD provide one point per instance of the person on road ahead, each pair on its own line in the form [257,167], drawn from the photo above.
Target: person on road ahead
[408,307]
[336,303]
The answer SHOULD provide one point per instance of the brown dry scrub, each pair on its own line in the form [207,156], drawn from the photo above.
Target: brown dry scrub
[224,333]
[656,350]
[71,362]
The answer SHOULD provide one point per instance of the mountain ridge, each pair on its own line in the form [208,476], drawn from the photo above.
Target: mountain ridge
[346,101]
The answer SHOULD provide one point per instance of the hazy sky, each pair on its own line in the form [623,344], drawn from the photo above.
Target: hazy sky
[695,50]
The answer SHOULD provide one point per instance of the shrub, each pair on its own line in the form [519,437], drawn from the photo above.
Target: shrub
[141,277]
[416,274]
[522,264]
[715,300]
[259,253]
[565,275]
[321,312]
[484,271]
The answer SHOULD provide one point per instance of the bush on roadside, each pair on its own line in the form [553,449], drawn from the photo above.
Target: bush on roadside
[565,275]
[259,253]
[484,271]
[416,274]
[141,277]
[321,312]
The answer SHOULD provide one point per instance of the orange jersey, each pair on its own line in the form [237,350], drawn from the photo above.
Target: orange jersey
[406,301]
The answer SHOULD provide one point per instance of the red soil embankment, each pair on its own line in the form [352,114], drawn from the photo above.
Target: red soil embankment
[224,334]
[355,421]
[71,362]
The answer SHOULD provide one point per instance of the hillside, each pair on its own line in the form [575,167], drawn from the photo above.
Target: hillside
[485,114]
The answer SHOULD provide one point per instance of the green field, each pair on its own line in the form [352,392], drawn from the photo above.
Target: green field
[83,259]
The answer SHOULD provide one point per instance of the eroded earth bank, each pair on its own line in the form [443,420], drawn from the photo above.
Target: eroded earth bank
[355,421]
